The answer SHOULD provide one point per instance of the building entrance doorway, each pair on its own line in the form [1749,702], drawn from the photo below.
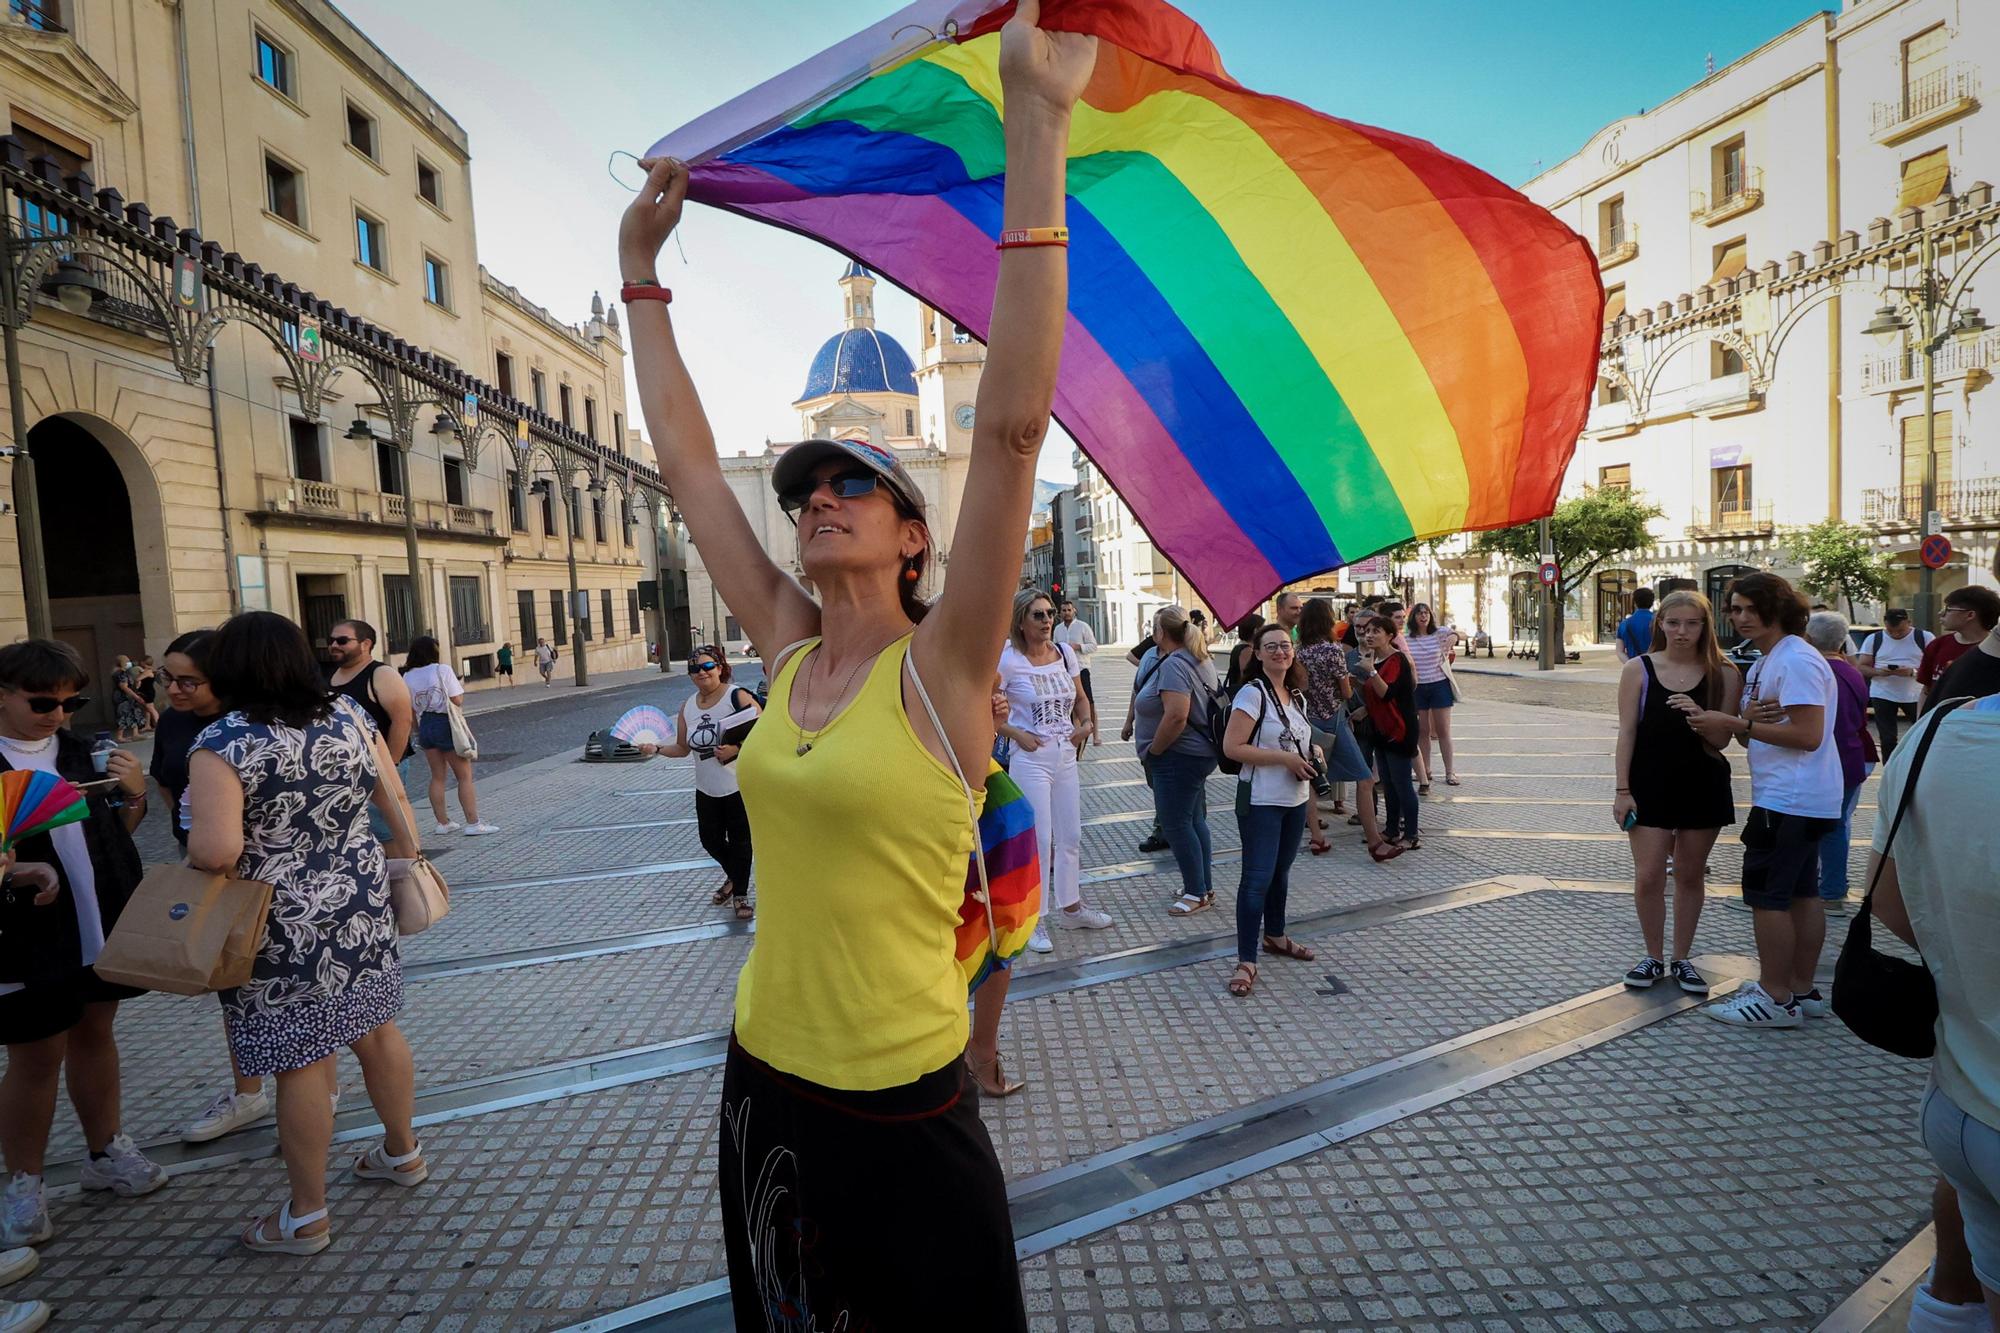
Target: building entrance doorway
[322,605]
[90,551]
[1716,585]
[1614,601]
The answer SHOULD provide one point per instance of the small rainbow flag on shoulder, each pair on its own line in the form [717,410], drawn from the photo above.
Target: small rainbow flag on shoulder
[1293,340]
[1013,877]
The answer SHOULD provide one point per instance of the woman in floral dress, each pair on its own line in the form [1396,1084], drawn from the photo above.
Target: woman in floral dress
[279,788]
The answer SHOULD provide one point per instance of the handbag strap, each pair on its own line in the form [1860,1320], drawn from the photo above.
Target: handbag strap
[1909,790]
[971,807]
[400,808]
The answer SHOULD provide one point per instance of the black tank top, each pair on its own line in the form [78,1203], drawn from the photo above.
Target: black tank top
[357,690]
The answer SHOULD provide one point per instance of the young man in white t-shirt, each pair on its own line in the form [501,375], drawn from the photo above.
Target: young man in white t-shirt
[1889,659]
[1785,720]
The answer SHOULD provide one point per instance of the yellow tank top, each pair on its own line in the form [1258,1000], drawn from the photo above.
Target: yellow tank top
[861,845]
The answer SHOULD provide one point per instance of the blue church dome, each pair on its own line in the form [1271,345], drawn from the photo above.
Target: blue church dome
[860,361]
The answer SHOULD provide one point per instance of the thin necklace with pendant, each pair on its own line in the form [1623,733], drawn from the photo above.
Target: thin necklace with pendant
[805,699]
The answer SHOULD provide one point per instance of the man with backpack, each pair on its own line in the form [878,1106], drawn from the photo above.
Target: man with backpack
[1888,661]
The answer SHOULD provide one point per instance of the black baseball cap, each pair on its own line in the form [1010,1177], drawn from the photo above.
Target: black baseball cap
[1895,615]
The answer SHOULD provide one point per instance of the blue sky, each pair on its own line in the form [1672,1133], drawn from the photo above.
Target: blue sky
[547,93]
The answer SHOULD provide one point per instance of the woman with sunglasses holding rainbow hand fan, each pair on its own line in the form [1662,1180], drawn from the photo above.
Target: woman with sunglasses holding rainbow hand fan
[848,1114]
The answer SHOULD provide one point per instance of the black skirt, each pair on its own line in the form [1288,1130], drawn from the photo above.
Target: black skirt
[881,1211]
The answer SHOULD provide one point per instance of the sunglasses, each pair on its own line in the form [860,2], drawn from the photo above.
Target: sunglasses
[701,666]
[338,639]
[1040,615]
[185,682]
[48,703]
[845,486]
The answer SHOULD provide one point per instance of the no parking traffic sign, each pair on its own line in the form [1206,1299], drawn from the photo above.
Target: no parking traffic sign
[1935,551]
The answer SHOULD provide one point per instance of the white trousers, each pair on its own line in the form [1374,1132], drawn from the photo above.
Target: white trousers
[1048,778]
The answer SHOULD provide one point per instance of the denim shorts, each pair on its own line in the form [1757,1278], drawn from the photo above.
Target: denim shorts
[1434,694]
[434,733]
[1781,858]
[1967,1152]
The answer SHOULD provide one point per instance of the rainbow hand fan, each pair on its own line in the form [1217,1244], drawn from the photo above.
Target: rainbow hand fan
[34,802]
[1013,878]
[644,725]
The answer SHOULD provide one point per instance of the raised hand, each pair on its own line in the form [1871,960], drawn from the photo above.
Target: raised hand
[1049,68]
[652,217]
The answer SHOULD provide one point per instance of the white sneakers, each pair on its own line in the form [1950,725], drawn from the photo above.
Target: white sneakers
[229,1111]
[20,1316]
[24,1214]
[1928,1314]
[480,829]
[1040,941]
[449,826]
[1083,918]
[1753,1007]
[123,1170]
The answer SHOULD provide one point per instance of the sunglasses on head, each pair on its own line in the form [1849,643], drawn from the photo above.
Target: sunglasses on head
[48,703]
[845,485]
[701,666]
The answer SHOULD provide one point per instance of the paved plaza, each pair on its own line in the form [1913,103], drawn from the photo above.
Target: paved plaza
[1455,1120]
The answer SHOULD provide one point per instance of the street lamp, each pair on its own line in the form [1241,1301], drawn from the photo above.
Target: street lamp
[547,486]
[361,432]
[1922,311]
[75,288]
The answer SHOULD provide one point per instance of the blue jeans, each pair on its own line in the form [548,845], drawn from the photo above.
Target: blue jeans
[1399,794]
[1180,794]
[1271,836]
[1833,850]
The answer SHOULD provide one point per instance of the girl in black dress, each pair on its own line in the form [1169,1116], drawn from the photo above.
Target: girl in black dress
[1673,795]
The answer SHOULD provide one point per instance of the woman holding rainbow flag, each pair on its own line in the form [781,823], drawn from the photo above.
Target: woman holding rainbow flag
[848,1115]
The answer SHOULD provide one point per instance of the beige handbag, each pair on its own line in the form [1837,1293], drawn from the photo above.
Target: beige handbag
[463,742]
[418,894]
[187,931]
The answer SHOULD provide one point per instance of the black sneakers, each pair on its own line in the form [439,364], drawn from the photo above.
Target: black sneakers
[1153,843]
[1644,973]
[1693,982]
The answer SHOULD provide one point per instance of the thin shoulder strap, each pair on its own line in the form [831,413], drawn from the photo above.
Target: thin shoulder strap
[971,809]
[1909,790]
[778,662]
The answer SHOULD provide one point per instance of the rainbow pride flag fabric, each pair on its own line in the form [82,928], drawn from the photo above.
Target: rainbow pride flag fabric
[1013,876]
[1293,340]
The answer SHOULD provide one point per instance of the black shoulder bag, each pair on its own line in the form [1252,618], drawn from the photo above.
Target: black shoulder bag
[1884,1000]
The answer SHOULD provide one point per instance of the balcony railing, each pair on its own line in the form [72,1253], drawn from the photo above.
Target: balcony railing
[1974,500]
[1618,244]
[324,499]
[1907,366]
[1936,97]
[1738,193]
[1750,520]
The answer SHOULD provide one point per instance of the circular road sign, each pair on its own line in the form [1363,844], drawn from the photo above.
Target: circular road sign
[1935,551]
[1552,573]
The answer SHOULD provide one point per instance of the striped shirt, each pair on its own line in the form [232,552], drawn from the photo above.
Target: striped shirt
[1427,651]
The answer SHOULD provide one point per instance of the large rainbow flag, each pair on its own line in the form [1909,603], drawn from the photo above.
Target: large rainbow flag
[1294,341]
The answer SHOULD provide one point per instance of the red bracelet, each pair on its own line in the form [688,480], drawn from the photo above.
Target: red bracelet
[645,291]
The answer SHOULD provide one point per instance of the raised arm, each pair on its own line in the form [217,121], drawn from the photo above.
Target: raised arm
[771,606]
[1041,76]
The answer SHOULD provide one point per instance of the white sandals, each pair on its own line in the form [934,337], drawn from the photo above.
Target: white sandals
[407,1170]
[289,1240]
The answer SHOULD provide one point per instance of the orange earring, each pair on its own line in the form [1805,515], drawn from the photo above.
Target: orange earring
[910,573]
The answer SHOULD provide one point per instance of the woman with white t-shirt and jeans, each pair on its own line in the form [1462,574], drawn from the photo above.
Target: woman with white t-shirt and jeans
[715,708]
[1270,736]
[1048,720]
[433,686]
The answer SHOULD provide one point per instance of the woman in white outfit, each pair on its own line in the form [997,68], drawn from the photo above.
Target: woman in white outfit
[1048,720]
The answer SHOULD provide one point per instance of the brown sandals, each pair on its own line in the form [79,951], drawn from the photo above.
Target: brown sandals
[1244,980]
[1284,946]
